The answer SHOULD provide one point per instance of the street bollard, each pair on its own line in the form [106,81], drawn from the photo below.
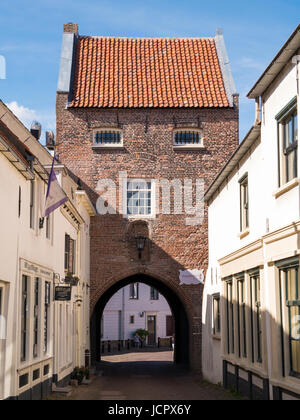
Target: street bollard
[158,342]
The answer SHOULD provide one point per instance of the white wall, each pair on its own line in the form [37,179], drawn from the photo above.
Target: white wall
[134,307]
[266,213]
[20,244]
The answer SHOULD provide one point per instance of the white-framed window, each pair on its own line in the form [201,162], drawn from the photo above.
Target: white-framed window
[134,291]
[288,143]
[139,197]
[244,203]
[36,317]
[289,276]
[216,314]
[107,137]
[188,138]
[25,316]
[47,302]
[32,205]
[154,295]
[48,227]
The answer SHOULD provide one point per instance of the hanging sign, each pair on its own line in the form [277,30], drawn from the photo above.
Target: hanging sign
[191,277]
[63,293]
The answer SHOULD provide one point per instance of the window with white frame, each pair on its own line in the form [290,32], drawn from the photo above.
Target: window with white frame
[154,295]
[216,314]
[36,317]
[230,316]
[108,137]
[24,316]
[241,315]
[288,143]
[48,226]
[256,317]
[290,315]
[188,138]
[139,198]
[31,205]
[244,203]
[134,291]
[47,300]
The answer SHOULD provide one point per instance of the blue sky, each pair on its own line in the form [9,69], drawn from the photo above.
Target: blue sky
[31,31]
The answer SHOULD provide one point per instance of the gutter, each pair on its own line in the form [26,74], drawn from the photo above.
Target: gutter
[240,152]
[277,64]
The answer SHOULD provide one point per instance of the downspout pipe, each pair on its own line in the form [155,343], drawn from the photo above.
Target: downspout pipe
[257,111]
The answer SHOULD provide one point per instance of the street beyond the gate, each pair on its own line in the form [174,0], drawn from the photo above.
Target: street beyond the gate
[146,375]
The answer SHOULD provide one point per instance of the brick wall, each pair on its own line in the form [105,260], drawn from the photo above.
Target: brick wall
[148,153]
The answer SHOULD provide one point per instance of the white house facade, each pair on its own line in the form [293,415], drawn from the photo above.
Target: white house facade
[251,308]
[41,339]
[137,306]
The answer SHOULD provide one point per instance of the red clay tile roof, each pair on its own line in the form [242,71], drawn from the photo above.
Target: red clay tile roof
[145,72]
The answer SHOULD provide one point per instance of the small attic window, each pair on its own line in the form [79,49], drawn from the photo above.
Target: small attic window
[108,137]
[188,138]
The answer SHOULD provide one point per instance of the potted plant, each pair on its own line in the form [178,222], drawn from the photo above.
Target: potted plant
[80,373]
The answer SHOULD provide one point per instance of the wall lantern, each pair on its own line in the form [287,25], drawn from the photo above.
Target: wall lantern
[140,244]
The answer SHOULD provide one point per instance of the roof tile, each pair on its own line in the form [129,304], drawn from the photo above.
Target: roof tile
[146,72]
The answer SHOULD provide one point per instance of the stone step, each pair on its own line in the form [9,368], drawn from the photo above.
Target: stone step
[65,391]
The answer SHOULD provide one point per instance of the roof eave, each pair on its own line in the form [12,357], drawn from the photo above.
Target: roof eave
[277,64]
[240,152]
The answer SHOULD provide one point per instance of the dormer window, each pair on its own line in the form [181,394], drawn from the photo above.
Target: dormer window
[188,138]
[108,137]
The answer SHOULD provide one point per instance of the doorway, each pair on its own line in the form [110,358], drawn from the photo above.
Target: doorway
[151,328]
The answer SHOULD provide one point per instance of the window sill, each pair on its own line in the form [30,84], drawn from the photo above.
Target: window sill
[287,187]
[140,217]
[189,147]
[107,146]
[243,234]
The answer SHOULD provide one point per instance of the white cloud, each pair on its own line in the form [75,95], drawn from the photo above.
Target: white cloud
[27,116]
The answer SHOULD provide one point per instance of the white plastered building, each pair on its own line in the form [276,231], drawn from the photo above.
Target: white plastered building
[41,340]
[251,307]
[137,306]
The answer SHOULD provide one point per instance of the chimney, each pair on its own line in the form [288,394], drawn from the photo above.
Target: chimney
[71,28]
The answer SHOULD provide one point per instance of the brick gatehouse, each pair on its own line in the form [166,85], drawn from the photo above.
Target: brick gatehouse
[151,109]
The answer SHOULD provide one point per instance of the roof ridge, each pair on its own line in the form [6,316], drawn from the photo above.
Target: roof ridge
[147,38]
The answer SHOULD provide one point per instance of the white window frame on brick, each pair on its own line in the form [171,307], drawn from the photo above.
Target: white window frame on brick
[107,145]
[184,145]
[152,198]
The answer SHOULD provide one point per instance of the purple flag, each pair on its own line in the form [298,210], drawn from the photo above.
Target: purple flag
[55,194]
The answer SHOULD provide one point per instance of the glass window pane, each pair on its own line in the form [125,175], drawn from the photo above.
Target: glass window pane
[295,349]
[291,285]
[290,132]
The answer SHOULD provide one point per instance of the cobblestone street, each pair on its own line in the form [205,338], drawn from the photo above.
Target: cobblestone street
[146,375]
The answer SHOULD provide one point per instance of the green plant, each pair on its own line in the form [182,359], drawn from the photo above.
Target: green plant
[79,373]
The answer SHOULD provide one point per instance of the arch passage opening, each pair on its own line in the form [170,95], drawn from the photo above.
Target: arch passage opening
[181,324]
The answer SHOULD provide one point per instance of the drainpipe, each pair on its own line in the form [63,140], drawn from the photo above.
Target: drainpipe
[296,61]
[123,315]
[257,111]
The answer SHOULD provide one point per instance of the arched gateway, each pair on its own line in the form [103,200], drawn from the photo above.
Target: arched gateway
[182,324]
[144,148]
